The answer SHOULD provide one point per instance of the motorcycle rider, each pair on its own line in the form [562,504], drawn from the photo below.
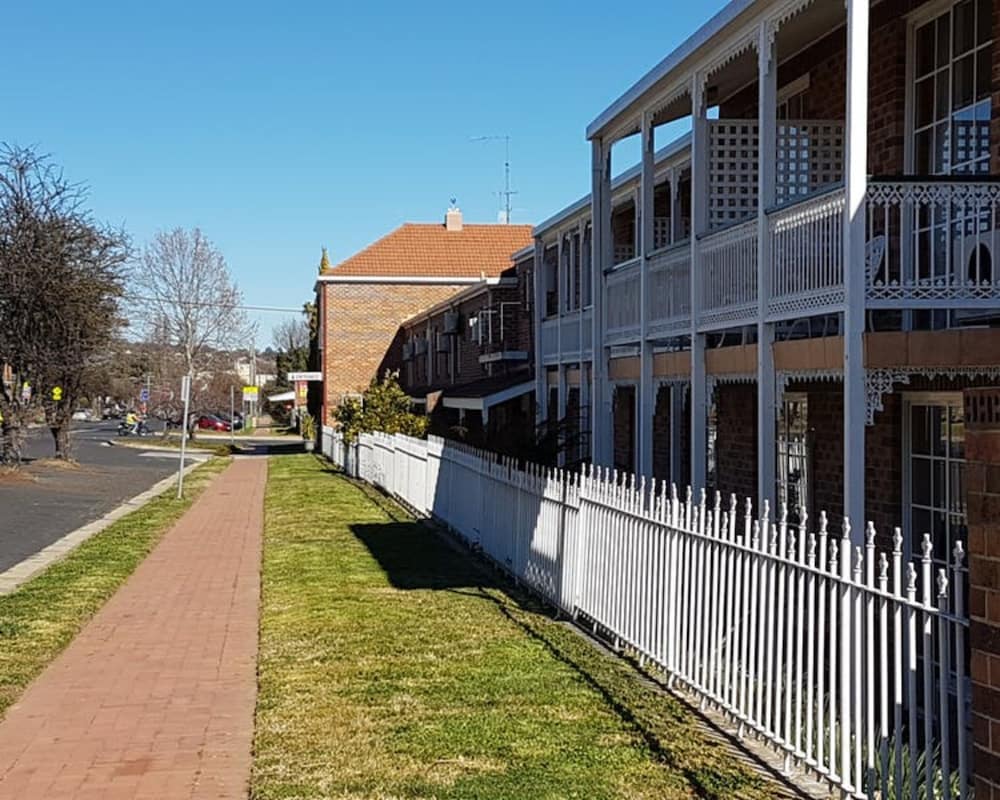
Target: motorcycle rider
[132,422]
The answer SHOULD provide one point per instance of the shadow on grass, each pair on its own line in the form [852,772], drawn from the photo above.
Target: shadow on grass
[416,558]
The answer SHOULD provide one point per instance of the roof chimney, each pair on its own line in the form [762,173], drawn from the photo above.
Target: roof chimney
[453,219]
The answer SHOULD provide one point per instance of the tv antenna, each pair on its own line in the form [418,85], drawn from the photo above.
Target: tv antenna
[506,193]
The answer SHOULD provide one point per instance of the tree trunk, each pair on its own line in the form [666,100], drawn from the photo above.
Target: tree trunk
[60,434]
[12,445]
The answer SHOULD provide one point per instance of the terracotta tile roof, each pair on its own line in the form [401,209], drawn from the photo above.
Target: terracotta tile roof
[429,250]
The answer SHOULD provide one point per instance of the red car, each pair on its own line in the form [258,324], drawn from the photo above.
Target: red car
[210,422]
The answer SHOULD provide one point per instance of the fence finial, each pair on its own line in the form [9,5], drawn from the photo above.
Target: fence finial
[718,499]
[846,529]
[926,548]
[883,567]
[783,513]
[823,522]
[833,554]
[897,540]
[811,552]
[870,534]
[958,554]
[773,548]
[859,560]
[911,578]
[732,504]
[942,583]
[791,544]
[755,536]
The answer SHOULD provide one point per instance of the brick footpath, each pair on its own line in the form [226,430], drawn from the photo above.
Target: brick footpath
[155,696]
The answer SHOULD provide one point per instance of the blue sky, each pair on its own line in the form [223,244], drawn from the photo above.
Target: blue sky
[280,128]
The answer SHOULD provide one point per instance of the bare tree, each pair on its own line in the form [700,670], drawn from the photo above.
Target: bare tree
[187,298]
[291,339]
[60,280]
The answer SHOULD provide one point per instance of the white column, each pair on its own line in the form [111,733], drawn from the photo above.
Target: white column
[560,292]
[699,224]
[646,397]
[538,290]
[676,231]
[561,391]
[855,175]
[766,155]
[600,423]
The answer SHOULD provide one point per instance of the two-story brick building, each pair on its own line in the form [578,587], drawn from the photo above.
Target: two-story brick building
[363,300]
[468,359]
[788,301]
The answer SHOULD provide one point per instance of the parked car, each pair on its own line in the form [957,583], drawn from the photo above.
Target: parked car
[83,415]
[210,422]
[236,421]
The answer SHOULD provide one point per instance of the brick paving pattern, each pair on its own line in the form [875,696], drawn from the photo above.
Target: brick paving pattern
[155,697]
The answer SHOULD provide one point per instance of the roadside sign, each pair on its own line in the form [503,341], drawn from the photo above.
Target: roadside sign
[304,376]
[250,394]
[186,388]
[144,395]
[25,392]
[57,393]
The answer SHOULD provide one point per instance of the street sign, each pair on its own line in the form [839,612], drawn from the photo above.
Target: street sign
[186,388]
[305,376]
[144,394]
[57,393]
[250,394]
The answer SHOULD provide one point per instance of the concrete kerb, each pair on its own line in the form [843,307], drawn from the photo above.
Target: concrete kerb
[25,570]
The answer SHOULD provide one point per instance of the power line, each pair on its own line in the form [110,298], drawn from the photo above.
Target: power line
[206,304]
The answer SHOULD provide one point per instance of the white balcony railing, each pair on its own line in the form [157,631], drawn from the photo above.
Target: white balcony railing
[933,244]
[669,303]
[807,255]
[622,304]
[729,276]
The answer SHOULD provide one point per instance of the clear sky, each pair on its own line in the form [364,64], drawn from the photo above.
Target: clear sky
[282,127]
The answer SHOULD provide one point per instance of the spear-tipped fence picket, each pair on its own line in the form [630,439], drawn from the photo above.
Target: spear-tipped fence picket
[849,661]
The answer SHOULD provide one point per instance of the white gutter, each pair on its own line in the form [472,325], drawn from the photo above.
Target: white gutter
[398,279]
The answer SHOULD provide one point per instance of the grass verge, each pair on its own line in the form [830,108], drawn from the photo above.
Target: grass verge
[42,616]
[392,666]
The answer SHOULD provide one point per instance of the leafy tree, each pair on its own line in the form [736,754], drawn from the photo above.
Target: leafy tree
[384,407]
[61,276]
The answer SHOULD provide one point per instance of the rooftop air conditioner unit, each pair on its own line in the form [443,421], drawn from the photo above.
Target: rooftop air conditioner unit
[451,321]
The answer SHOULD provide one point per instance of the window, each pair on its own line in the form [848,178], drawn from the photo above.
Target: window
[952,66]
[934,470]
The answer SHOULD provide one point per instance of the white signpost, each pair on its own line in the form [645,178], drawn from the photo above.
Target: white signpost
[304,376]
[186,397]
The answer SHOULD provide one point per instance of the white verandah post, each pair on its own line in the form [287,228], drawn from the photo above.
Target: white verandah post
[600,247]
[646,400]
[699,224]
[856,174]
[766,195]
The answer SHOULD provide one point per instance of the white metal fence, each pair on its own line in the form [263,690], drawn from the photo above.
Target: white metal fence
[850,661]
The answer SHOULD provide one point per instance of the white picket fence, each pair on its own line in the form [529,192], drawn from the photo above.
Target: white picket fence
[850,662]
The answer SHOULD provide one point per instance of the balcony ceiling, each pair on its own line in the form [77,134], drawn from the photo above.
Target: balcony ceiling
[811,24]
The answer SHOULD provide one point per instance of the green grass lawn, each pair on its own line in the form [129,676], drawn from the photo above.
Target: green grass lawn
[41,617]
[392,666]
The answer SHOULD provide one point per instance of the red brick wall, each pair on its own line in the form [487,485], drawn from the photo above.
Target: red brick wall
[982,486]
[624,428]
[360,331]
[736,439]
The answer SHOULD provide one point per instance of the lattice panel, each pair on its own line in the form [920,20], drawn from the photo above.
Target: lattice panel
[810,155]
[732,166]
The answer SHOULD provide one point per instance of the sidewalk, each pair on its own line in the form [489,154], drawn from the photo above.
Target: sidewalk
[155,697]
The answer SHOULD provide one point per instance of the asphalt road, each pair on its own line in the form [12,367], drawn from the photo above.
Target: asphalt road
[51,500]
